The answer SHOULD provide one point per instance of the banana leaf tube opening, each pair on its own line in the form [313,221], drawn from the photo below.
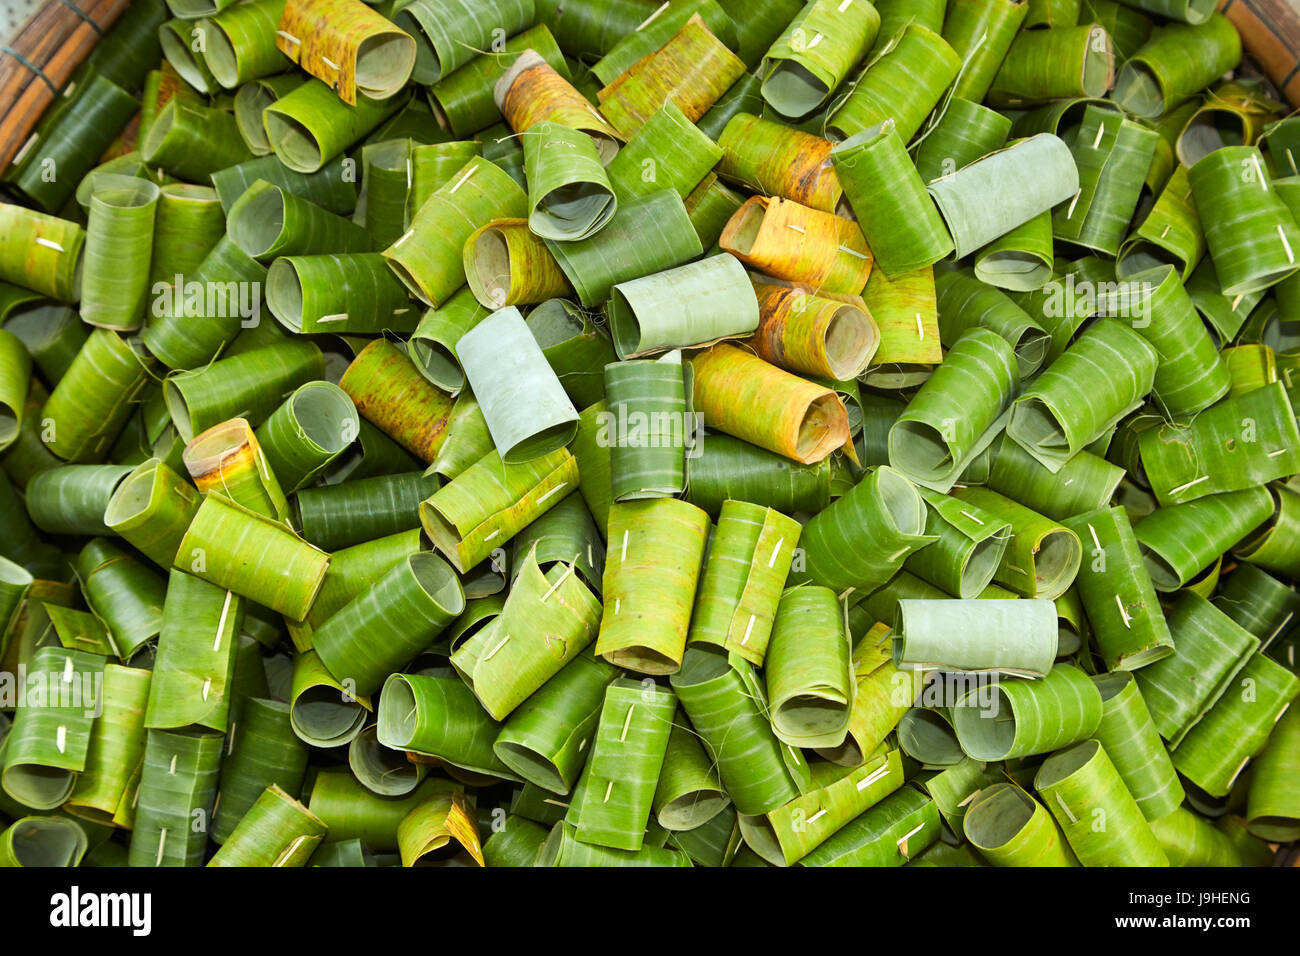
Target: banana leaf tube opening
[1026,717]
[1010,828]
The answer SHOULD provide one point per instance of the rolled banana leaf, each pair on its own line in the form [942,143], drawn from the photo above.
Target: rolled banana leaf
[321,710]
[192,141]
[1210,649]
[907,315]
[563,848]
[729,468]
[965,302]
[975,204]
[532,91]
[351,512]
[126,595]
[441,717]
[1017,637]
[1180,541]
[1071,405]
[71,499]
[361,54]
[1251,236]
[956,414]
[710,205]
[188,224]
[507,264]
[1237,727]
[428,830]
[228,458]
[1273,804]
[647,415]
[43,842]
[575,346]
[1085,483]
[240,43]
[828,253]
[310,429]
[269,221]
[773,159]
[310,125]
[463,98]
[545,739]
[648,234]
[740,394]
[569,195]
[726,707]
[262,752]
[275,831]
[15,381]
[178,785]
[1169,234]
[40,252]
[468,438]
[981,32]
[381,769]
[448,35]
[1055,64]
[1010,828]
[904,80]
[151,508]
[688,794]
[1189,839]
[1131,739]
[815,53]
[517,842]
[807,334]
[1021,260]
[862,539]
[883,695]
[351,293]
[808,670]
[432,347]
[390,392]
[891,833]
[354,813]
[93,400]
[1018,718]
[327,188]
[116,745]
[1176,63]
[668,146]
[429,256]
[1258,602]
[1042,558]
[1243,441]
[714,844]
[966,132]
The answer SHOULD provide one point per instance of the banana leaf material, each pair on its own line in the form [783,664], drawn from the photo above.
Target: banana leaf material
[1010,828]
[966,132]
[1243,441]
[116,745]
[1013,637]
[151,508]
[442,824]
[439,716]
[505,263]
[726,707]
[862,539]
[905,310]
[688,794]
[1237,727]
[347,293]
[645,427]
[1097,381]
[277,569]
[354,813]
[714,844]
[563,848]
[15,381]
[957,413]
[353,49]
[815,53]
[40,252]
[743,96]
[526,408]
[694,305]
[468,438]
[883,695]
[268,221]
[654,31]
[71,499]
[195,321]
[448,35]
[228,458]
[784,239]
[1086,482]
[262,751]
[79,630]
[532,91]
[310,125]
[903,81]
[1272,802]
[1176,63]
[125,594]
[191,141]
[1111,158]
[1180,541]
[728,468]
[1189,839]
[240,43]
[91,403]
[326,188]
[565,534]
[1021,260]
[178,39]
[160,87]
[1251,235]
[569,194]
[43,842]
[432,346]
[381,769]
[51,333]
[710,206]
[1026,717]
[741,395]
[351,512]
[410,603]
[1055,64]
[976,205]
[668,145]
[1249,367]
[189,222]
[981,32]
[390,392]
[965,302]
[387,180]
[808,670]
[545,738]
[310,429]
[694,68]
[249,385]
[886,194]
[15,582]
[1258,602]
[772,159]
[491,501]
[648,234]
[1115,587]
[371,453]
[178,786]
[429,256]
[463,97]
[788,834]
[1134,745]
[1234,113]
[322,711]
[353,569]
[1042,557]
[807,334]
[1210,650]
[275,831]
[575,346]
[749,557]
[891,833]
